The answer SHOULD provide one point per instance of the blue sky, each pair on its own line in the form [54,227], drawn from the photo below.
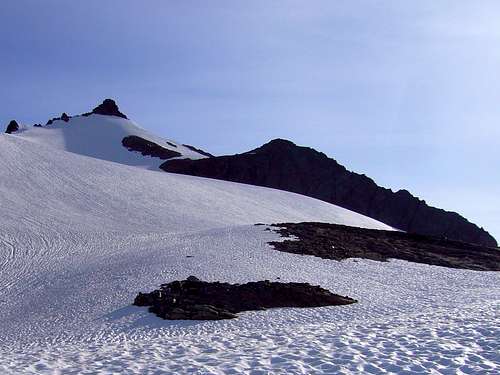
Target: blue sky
[405,92]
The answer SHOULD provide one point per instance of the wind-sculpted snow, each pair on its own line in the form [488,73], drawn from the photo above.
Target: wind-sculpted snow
[80,237]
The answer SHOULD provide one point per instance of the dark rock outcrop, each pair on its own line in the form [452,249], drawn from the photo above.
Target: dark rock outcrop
[194,299]
[280,164]
[64,117]
[199,151]
[145,147]
[338,242]
[12,127]
[109,108]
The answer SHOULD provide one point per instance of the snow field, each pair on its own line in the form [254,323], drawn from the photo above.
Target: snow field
[433,320]
[80,237]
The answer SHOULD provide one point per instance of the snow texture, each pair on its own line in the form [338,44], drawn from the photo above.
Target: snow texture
[100,136]
[80,237]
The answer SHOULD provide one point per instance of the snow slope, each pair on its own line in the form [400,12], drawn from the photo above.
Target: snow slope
[79,237]
[42,187]
[100,136]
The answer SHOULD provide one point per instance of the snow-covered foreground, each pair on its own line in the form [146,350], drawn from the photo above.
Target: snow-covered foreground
[80,237]
[412,318]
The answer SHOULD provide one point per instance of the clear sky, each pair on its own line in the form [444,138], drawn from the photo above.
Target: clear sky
[407,92]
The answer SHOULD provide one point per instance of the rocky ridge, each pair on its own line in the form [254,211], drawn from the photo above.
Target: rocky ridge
[108,108]
[281,164]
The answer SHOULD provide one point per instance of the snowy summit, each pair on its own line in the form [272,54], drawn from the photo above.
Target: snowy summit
[100,134]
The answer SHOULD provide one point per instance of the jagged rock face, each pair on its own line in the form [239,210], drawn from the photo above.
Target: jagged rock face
[145,147]
[280,164]
[12,127]
[108,108]
[194,299]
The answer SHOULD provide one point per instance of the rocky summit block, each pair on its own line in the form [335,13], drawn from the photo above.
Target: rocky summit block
[193,299]
[12,127]
[109,108]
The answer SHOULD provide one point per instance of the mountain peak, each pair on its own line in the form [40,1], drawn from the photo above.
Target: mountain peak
[106,133]
[109,108]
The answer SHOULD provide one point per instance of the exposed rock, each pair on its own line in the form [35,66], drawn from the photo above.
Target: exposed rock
[338,242]
[199,151]
[37,125]
[12,127]
[108,108]
[145,147]
[280,164]
[194,299]
[64,117]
